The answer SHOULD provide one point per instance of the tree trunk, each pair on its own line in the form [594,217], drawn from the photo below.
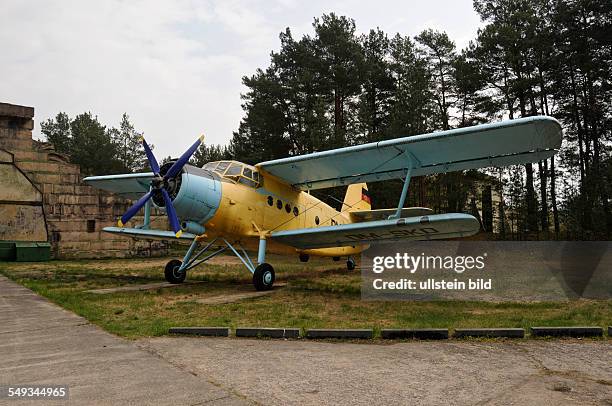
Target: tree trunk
[553,196]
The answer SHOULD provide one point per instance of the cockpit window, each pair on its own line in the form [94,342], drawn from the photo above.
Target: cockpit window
[247,182]
[211,166]
[222,166]
[236,172]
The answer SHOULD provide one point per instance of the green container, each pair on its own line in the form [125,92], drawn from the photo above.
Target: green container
[32,251]
[7,250]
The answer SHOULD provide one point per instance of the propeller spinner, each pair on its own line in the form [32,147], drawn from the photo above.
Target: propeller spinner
[160,184]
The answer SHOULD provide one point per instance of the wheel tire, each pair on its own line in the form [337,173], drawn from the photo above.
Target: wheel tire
[172,274]
[350,264]
[263,277]
[336,259]
[304,257]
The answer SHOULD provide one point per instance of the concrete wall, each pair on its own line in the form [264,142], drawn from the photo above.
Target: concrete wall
[74,213]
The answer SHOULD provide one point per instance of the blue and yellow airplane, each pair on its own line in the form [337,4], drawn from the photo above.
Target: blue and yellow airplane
[228,205]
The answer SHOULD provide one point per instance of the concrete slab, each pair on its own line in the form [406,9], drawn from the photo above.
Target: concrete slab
[490,332]
[414,333]
[529,372]
[567,331]
[145,286]
[268,332]
[360,333]
[40,343]
[201,331]
[238,296]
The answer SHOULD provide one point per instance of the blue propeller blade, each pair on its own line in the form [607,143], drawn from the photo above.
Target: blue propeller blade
[178,165]
[133,210]
[172,217]
[152,161]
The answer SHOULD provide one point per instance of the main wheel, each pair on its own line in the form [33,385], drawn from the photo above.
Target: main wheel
[172,273]
[350,264]
[263,277]
[304,257]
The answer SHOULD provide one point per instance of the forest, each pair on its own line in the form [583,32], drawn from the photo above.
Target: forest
[337,87]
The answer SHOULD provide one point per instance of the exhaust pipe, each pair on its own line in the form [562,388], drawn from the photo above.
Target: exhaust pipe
[192,227]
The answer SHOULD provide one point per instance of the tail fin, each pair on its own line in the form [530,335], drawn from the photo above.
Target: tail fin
[357,198]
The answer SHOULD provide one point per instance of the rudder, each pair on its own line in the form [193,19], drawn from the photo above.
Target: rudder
[357,198]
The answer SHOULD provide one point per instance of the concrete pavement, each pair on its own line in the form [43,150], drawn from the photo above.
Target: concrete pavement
[278,372]
[41,343]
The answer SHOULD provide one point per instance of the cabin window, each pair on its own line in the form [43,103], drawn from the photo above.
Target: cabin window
[288,208]
[248,173]
[317,220]
[270,201]
[296,211]
[279,204]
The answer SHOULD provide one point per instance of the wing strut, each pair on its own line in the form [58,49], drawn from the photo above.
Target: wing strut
[402,200]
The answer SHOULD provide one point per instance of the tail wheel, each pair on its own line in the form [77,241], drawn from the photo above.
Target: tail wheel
[350,264]
[263,277]
[172,273]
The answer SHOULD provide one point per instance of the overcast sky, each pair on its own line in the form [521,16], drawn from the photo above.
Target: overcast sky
[174,66]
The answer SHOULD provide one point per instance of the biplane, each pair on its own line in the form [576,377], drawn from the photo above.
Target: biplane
[229,206]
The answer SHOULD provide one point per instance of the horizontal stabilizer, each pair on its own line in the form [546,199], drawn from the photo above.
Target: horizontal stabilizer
[510,142]
[433,227]
[148,234]
[383,214]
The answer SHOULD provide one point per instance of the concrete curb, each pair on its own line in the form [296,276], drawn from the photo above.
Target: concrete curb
[268,332]
[340,333]
[489,332]
[567,331]
[414,333]
[201,331]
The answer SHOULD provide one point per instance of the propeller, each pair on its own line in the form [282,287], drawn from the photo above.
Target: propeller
[159,184]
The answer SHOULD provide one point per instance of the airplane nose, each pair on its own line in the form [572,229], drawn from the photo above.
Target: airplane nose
[199,195]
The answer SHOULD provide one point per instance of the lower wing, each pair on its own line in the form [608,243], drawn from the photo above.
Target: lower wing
[431,227]
[148,234]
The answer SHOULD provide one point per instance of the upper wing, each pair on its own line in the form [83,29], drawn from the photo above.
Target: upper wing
[512,142]
[130,185]
[431,227]
[383,214]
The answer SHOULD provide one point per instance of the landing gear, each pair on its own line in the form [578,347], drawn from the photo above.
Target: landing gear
[350,264]
[263,277]
[174,273]
[304,257]
[336,259]
[263,274]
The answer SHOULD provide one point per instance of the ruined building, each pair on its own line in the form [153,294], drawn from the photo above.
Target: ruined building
[42,198]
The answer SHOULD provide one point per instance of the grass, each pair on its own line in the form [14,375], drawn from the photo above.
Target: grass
[320,294]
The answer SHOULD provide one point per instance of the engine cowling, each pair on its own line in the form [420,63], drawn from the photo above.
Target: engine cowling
[195,194]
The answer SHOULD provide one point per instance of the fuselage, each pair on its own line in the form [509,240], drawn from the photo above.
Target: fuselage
[252,202]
